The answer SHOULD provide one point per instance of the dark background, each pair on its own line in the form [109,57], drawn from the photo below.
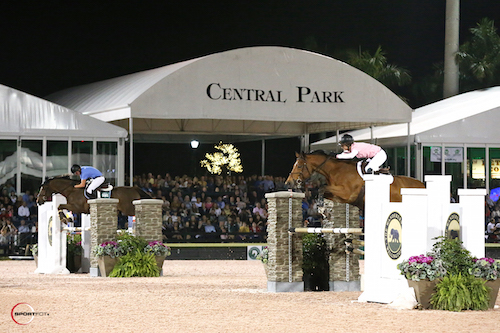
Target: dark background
[48,45]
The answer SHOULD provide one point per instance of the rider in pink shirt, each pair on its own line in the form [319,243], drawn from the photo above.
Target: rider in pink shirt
[375,154]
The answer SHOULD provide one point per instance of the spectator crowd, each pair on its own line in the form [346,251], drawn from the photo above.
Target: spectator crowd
[213,208]
[18,220]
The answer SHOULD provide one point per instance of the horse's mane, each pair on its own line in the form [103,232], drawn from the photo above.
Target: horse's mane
[332,156]
[65,177]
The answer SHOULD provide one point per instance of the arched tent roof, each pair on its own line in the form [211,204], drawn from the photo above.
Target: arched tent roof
[272,91]
[27,115]
[469,118]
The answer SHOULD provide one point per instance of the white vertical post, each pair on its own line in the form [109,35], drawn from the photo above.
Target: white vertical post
[414,225]
[472,220]
[376,288]
[438,205]
[85,224]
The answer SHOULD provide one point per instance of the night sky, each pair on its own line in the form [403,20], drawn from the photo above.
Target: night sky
[51,45]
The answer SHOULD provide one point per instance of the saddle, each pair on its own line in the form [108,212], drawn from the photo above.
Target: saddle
[103,191]
[382,171]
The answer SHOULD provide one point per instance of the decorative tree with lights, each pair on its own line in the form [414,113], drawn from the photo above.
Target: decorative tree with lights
[227,159]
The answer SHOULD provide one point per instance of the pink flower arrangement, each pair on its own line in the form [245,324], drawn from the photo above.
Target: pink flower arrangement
[157,248]
[109,248]
[422,267]
[421,259]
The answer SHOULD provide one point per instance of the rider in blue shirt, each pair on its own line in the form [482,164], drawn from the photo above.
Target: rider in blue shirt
[94,177]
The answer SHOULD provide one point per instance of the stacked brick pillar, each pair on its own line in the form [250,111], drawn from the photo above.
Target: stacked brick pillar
[279,278]
[103,225]
[148,219]
[344,268]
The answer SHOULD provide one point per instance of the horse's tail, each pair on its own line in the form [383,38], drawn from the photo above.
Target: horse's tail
[143,194]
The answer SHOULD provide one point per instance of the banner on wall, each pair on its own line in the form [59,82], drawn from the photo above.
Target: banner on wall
[495,168]
[451,154]
[253,252]
[478,170]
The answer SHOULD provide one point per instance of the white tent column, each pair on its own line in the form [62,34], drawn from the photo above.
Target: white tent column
[131,141]
[304,143]
[263,159]
[408,153]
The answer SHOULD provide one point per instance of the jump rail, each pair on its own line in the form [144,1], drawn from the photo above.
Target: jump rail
[356,231]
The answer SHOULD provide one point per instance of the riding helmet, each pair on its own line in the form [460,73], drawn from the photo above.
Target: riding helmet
[75,168]
[346,140]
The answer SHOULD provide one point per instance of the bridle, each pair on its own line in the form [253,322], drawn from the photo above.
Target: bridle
[53,191]
[300,178]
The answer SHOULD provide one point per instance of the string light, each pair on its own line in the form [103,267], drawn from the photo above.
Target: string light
[228,158]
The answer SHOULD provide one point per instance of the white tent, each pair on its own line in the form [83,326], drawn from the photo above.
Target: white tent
[29,118]
[27,115]
[449,130]
[248,92]
[468,118]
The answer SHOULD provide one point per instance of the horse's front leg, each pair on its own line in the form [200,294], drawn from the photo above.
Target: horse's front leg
[65,218]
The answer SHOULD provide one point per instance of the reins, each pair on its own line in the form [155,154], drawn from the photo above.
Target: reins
[60,191]
[317,169]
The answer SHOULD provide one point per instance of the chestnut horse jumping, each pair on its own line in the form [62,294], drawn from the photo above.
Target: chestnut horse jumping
[76,201]
[344,184]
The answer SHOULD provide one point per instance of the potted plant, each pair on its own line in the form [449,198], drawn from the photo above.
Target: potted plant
[136,263]
[422,273]
[315,267]
[107,255]
[263,256]
[457,292]
[453,287]
[128,243]
[159,250]
[488,269]
[74,252]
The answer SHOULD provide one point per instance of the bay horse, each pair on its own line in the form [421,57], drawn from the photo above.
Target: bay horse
[76,201]
[344,184]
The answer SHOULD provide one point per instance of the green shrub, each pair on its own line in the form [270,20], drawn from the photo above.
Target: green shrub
[315,253]
[460,292]
[456,259]
[136,263]
[129,243]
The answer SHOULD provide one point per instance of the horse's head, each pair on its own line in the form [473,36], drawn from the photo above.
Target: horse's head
[53,185]
[300,172]
[43,195]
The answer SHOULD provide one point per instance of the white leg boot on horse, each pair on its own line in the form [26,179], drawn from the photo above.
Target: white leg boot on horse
[65,216]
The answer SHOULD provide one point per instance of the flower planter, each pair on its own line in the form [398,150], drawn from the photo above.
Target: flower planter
[266,268]
[159,262]
[73,263]
[36,260]
[106,264]
[495,286]
[423,291]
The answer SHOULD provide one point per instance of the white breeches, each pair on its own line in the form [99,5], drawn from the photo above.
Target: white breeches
[95,183]
[376,161]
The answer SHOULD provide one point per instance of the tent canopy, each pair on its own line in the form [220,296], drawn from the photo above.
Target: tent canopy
[272,91]
[27,115]
[470,117]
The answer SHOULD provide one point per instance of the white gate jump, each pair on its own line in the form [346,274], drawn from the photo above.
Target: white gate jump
[52,239]
[397,231]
